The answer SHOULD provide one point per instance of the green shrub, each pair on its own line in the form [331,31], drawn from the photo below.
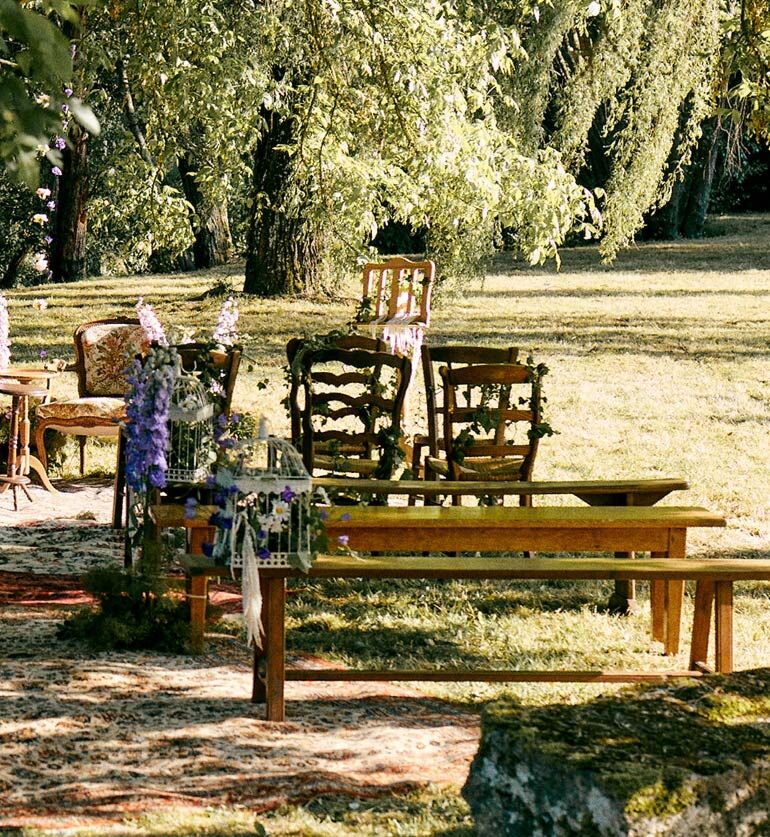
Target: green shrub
[135,611]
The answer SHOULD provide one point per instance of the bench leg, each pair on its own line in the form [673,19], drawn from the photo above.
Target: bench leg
[197,587]
[275,649]
[723,620]
[701,624]
[258,689]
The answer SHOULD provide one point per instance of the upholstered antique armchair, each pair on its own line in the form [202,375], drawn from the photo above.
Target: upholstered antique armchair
[103,351]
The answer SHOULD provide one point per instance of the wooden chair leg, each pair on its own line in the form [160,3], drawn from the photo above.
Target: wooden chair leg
[119,485]
[275,649]
[701,624]
[723,623]
[674,596]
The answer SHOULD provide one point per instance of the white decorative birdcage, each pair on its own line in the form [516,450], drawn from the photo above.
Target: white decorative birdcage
[191,449]
[270,506]
[268,517]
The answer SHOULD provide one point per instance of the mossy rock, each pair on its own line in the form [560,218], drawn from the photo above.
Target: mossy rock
[680,759]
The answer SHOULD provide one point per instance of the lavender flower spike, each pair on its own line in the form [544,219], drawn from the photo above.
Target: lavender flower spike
[226,332]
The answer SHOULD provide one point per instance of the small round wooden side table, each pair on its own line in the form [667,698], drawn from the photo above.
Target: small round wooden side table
[22,384]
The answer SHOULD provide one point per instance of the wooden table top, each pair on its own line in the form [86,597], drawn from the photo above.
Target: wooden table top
[28,373]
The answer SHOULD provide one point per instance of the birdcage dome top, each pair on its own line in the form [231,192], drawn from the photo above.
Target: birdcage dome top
[189,400]
[270,464]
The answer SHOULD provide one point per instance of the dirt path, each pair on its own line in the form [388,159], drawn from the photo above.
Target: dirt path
[90,737]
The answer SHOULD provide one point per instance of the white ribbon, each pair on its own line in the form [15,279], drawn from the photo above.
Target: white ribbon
[251,591]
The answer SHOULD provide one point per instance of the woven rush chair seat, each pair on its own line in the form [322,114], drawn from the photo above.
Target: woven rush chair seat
[482,469]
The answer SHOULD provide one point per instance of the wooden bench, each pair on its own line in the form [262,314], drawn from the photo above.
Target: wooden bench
[714,585]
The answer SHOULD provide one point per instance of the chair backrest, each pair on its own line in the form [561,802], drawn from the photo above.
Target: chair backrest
[348,396]
[104,350]
[398,288]
[432,357]
[491,412]
[218,369]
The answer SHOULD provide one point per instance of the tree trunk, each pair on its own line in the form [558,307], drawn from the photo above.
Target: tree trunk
[283,252]
[213,242]
[703,167]
[14,263]
[68,250]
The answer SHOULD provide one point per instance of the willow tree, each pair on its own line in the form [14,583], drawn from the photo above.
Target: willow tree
[620,90]
[382,113]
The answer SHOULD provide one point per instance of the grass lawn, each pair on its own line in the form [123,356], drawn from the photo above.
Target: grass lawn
[659,367]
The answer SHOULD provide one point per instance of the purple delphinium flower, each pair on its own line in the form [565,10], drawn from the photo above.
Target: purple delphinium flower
[43,354]
[51,205]
[56,171]
[65,108]
[60,143]
[287,495]
[263,552]
[68,91]
[147,409]
[48,239]
[343,540]
[190,506]
[345,517]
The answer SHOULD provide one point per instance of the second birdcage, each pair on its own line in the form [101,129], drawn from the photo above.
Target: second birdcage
[270,510]
[191,450]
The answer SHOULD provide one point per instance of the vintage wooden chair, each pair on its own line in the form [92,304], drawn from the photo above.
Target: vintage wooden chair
[432,357]
[397,291]
[491,423]
[103,351]
[218,367]
[346,402]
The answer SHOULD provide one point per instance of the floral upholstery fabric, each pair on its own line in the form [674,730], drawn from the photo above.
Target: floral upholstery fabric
[108,349]
[106,409]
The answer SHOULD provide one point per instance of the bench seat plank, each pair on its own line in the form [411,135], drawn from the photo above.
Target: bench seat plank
[579,488]
[445,566]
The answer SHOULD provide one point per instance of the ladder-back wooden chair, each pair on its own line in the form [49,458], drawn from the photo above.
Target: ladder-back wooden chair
[397,291]
[432,357]
[491,423]
[346,402]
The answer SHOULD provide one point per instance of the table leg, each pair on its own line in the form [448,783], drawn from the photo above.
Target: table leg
[724,626]
[658,608]
[275,649]
[259,690]
[37,466]
[701,624]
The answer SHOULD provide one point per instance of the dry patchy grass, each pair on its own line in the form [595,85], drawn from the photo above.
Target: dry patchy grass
[659,367]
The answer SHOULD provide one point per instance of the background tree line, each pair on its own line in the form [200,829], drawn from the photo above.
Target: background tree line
[304,132]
